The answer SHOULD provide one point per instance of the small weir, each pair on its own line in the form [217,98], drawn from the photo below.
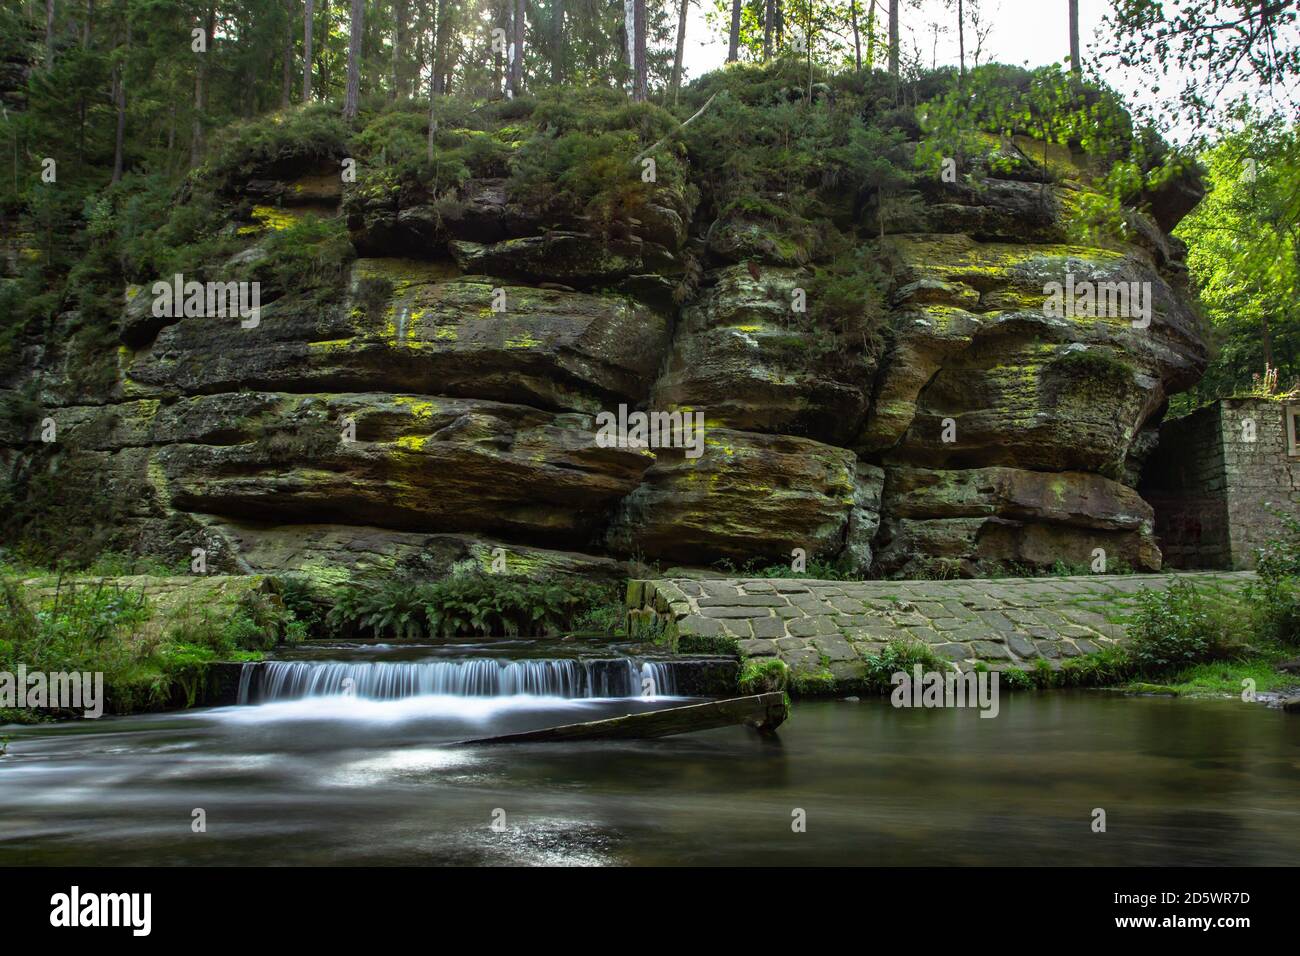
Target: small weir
[267,681]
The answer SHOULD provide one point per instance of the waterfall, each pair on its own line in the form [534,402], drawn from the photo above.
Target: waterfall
[380,680]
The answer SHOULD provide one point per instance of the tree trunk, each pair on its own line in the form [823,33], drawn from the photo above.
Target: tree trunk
[325,46]
[286,93]
[871,35]
[437,84]
[857,43]
[201,86]
[85,27]
[961,39]
[399,47]
[119,141]
[352,96]
[893,37]
[306,51]
[769,15]
[733,48]
[557,43]
[49,34]
[640,75]
[681,48]
[629,33]
[517,54]
[1076,63]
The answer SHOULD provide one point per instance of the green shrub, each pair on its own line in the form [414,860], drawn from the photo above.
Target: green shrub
[900,655]
[310,254]
[1276,598]
[1109,666]
[305,605]
[1013,678]
[261,146]
[469,603]
[1178,627]
[762,675]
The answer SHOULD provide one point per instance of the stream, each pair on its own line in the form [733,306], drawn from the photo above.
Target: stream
[353,760]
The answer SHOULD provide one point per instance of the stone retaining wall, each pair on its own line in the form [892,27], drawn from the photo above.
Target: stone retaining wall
[820,626]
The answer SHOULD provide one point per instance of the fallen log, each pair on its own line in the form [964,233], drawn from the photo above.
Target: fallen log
[763,712]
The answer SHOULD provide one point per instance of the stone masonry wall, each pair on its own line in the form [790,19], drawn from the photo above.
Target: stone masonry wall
[827,628]
[1261,478]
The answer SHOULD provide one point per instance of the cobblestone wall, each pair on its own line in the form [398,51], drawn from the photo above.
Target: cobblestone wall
[829,627]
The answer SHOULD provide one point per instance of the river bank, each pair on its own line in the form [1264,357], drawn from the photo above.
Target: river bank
[169,642]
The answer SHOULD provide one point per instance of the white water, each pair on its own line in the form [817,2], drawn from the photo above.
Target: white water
[280,681]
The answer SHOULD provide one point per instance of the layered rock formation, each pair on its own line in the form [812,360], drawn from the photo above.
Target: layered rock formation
[446,407]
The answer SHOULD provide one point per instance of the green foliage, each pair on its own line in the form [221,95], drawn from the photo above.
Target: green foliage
[1177,627]
[761,675]
[309,255]
[470,603]
[261,147]
[606,619]
[818,683]
[722,645]
[103,627]
[1243,244]
[816,569]
[848,295]
[115,564]
[1200,59]
[1013,678]
[576,159]
[900,655]
[1096,368]
[1275,600]
[80,628]
[768,157]
[304,602]
[1107,667]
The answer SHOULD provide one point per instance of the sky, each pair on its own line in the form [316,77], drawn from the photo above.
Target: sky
[1025,32]
[1032,32]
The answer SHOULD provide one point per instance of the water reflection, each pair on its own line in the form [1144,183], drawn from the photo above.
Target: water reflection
[354,781]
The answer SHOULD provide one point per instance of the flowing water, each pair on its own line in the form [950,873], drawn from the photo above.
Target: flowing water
[322,771]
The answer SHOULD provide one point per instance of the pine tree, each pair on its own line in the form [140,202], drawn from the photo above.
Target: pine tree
[352,98]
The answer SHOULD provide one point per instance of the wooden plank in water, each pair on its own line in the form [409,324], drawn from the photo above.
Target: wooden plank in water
[763,712]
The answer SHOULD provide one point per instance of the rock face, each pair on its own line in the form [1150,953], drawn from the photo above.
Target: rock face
[448,405]
[740,354]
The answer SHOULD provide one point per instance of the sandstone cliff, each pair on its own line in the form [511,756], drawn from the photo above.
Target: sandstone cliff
[411,419]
